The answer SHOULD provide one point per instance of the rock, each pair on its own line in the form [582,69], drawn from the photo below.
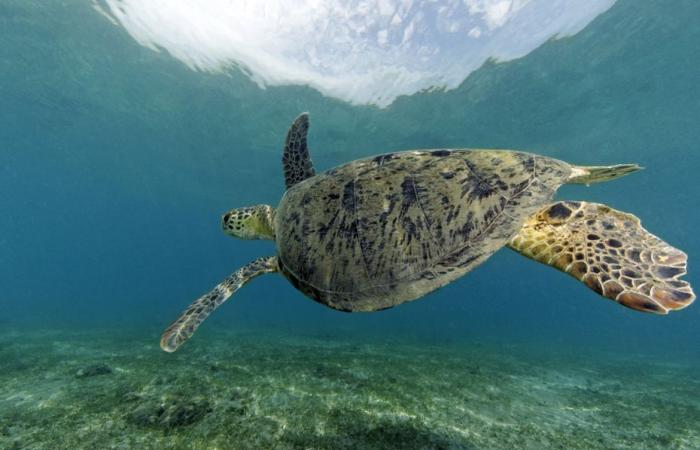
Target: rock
[93,370]
[170,412]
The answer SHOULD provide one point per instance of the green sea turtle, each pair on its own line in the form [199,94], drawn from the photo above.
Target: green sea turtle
[377,232]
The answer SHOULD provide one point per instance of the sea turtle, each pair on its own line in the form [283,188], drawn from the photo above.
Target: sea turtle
[377,232]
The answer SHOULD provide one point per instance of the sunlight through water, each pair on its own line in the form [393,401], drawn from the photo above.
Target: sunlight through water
[362,52]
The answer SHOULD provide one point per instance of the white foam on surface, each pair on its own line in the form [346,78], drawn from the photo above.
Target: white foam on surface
[360,51]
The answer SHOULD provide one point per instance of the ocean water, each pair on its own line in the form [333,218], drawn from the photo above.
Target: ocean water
[122,143]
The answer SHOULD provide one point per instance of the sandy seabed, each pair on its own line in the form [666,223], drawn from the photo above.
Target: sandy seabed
[261,390]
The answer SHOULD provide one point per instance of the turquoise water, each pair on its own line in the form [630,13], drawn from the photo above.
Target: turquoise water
[117,161]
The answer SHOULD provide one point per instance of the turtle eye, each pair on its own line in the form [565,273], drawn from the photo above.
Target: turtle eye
[226,217]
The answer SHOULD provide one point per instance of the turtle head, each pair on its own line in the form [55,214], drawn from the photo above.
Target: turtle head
[253,222]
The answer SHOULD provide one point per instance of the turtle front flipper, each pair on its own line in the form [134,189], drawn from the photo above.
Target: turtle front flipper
[296,159]
[182,329]
[610,252]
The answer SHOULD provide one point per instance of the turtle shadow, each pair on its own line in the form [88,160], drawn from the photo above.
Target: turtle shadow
[347,428]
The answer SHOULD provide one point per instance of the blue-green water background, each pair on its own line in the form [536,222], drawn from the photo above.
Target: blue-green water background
[116,163]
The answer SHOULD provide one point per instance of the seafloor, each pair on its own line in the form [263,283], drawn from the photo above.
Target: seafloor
[105,389]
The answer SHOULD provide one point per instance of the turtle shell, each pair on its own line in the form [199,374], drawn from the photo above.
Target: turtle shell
[377,232]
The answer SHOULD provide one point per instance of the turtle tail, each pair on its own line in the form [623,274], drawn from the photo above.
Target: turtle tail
[597,174]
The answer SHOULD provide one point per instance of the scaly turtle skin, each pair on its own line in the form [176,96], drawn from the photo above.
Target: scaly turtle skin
[377,232]
[610,252]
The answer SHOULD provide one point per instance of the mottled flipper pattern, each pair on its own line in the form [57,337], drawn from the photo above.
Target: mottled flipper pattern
[183,328]
[610,252]
[296,159]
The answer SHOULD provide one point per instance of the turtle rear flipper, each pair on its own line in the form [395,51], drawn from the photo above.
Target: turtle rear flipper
[597,174]
[610,252]
[296,158]
[184,327]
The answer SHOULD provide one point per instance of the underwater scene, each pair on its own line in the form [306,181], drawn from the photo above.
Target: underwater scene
[407,286]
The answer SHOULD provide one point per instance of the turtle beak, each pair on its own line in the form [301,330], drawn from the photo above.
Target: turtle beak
[224,220]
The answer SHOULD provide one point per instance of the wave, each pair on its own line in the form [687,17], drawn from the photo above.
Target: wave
[360,51]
